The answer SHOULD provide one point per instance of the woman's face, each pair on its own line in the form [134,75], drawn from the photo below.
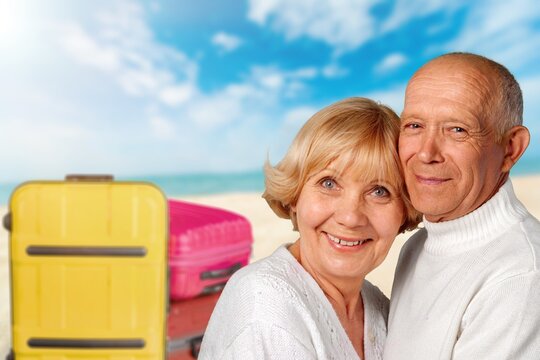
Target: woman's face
[346,225]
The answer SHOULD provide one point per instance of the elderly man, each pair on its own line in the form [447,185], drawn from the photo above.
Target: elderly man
[467,285]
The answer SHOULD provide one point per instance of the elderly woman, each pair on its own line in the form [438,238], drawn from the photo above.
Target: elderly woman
[340,183]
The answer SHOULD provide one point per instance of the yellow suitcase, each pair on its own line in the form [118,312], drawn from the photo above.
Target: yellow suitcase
[88,261]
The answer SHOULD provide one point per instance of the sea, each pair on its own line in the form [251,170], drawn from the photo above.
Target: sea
[216,183]
[182,184]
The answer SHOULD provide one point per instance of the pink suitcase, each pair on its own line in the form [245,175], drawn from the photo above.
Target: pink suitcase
[186,323]
[207,245]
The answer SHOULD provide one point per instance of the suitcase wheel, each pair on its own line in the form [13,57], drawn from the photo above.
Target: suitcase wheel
[7,223]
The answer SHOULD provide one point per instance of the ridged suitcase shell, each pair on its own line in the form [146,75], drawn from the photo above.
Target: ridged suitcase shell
[206,245]
[89,270]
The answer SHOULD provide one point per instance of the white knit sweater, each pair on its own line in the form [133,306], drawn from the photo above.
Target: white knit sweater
[273,309]
[469,288]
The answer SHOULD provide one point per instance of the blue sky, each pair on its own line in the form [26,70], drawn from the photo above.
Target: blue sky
[136,88]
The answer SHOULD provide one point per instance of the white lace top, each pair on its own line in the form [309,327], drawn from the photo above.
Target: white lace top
[273,309]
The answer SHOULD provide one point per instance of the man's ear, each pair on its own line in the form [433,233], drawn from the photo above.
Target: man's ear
[515,142]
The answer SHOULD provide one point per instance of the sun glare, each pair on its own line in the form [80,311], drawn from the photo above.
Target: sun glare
[12,22]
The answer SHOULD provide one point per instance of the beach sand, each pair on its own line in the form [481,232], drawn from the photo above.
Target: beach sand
[269,232]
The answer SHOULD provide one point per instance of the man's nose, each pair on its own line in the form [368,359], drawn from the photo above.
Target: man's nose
[430,148]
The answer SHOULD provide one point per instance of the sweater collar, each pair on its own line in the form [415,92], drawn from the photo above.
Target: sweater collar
[477,228]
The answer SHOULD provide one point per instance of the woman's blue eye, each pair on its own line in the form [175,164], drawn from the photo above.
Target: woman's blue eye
[380,191]
[328,184]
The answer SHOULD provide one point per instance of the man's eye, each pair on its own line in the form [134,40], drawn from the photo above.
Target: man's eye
[329,184]
[412,126]
[458,129]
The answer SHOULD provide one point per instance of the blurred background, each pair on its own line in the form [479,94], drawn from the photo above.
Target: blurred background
[196,95]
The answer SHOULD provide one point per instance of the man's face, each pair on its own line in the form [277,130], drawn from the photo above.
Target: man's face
[447,145]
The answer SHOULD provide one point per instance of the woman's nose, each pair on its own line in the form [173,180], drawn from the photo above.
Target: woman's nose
[351,213]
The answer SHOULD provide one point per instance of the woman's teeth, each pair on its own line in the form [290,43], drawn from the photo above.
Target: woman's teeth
[345,243]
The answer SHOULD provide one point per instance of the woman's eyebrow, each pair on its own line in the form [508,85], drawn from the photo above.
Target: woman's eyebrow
[330,171]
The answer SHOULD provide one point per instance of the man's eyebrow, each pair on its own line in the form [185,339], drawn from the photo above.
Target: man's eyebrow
[409,115]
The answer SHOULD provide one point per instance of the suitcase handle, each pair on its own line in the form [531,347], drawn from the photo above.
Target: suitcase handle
[7,222]
[87,177]
[11,355]
[195,344]
[212,289]
[220,273]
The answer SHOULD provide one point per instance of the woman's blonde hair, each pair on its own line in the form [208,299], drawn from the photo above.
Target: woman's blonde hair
[361,133]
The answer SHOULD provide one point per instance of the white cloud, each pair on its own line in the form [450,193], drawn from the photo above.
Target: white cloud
[334,70]
[37,147]
[177,94]
[155,6]
[122,45]
[125,23]
[504,31]
[406,10]
[390,63]
[143,68]
[162,128]
[214,111]
[260,92]
[107,96]
[140,83]
[297,117]
[304,73]
[285,83]
[392,97]
[343,24]
[293,120]
[531,107]
[272,81]
[86,50]
[226,42]
[531,88]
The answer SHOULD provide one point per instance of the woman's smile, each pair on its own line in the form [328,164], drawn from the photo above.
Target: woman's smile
[342,242]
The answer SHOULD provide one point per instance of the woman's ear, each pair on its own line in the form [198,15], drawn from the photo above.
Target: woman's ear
[515,142]
[292,215]
[292,207]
